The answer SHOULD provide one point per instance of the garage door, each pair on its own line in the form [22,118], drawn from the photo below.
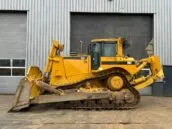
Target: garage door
[12,49]
[136,28]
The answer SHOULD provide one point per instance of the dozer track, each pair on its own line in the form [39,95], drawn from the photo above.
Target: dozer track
[108,101]
[113,99]
[73,98]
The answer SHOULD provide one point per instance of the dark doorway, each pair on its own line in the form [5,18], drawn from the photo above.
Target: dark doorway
[136,28]
[168,81]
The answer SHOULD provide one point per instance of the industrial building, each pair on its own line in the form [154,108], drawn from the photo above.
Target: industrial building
[27,28]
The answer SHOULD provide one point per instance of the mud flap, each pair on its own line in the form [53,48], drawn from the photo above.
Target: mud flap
[21,99]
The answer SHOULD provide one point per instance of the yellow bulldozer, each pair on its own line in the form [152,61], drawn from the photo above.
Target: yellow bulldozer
[103,79]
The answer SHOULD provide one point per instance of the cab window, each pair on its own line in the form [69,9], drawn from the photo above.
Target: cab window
[109,49]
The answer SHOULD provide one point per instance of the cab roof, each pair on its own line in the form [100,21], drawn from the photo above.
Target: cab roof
[105,40]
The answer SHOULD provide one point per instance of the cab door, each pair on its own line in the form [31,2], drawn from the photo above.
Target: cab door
[95,52]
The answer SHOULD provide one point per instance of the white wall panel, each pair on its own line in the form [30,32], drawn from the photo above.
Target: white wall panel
[50,19]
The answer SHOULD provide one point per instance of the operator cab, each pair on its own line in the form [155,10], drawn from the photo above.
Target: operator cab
[102,48]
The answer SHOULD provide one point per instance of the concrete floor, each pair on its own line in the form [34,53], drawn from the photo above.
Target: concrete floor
[152,113]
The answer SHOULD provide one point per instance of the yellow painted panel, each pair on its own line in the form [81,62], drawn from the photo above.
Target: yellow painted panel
[76,66]
[58,75]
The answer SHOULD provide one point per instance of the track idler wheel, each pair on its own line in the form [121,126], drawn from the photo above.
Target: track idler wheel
[115,82]
[128,96]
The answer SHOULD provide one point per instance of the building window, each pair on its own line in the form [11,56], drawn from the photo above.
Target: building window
[5,72]
[5,63]
[18,63]
[12,67]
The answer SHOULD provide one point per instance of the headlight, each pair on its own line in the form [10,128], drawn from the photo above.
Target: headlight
[129,62]
[100,68]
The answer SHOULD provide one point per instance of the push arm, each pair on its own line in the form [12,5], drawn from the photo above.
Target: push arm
[156,72]
[55,49]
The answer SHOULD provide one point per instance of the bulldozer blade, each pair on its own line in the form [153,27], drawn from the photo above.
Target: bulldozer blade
[21,99]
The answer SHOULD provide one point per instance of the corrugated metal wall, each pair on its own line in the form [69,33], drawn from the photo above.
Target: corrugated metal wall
[50,19]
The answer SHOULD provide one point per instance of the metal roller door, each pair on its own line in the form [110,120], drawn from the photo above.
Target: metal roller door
[12,50]
[136,28]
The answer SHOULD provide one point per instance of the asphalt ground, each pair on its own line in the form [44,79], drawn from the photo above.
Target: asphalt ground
[152,113]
